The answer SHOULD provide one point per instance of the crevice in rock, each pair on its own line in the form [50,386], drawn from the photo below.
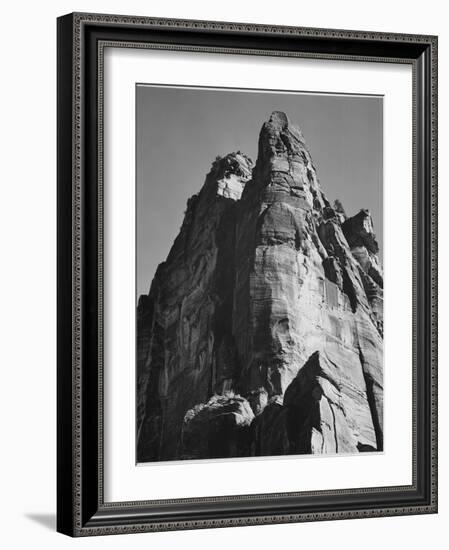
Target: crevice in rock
[334,426]
[369,382]
[348,289]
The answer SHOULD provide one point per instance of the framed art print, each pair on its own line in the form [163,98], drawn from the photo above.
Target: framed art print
[246,274]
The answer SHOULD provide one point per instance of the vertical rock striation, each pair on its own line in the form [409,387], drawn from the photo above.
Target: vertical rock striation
[262,331]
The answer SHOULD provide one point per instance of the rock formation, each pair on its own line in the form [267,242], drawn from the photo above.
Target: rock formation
[262,332]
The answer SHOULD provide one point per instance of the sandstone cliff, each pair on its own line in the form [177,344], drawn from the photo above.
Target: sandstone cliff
[262,331]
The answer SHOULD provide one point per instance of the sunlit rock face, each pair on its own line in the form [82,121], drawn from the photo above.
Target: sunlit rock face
[262,331]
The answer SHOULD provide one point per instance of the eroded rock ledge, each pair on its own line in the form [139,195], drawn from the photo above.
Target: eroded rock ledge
[262,331]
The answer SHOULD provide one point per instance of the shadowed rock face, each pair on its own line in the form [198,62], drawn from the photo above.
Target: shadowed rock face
[262,331]
[218,428]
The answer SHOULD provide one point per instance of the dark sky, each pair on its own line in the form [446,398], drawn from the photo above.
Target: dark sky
[180,131]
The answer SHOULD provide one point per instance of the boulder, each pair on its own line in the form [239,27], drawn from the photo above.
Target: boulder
[219,428]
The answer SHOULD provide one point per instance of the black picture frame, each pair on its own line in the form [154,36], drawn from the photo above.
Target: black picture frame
[81,510]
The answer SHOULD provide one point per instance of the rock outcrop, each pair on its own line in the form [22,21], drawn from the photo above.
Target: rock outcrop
[262,332]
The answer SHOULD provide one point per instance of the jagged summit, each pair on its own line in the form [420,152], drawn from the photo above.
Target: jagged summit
[359,231]
[262,332]
[284,164]
[233,163]
[279,121]
[279,118]
[230,174]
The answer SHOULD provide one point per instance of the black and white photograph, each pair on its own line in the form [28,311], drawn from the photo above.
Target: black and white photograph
[259,273]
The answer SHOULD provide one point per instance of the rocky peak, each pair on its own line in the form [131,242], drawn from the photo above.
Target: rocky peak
[359,231]
[262,332]
[230,174]
[284,164]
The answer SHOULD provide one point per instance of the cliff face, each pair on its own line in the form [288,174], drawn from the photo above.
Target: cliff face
[262,331]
